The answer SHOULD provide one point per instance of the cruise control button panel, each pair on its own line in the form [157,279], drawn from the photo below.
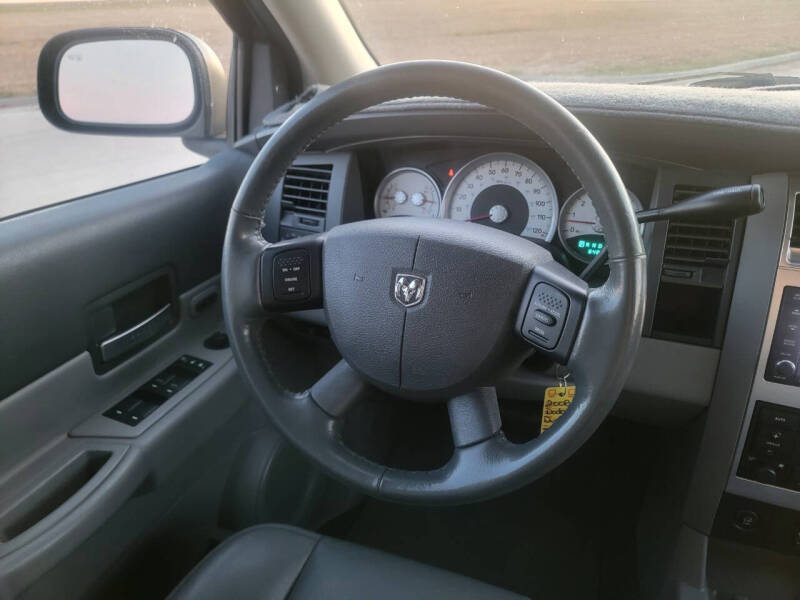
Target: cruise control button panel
[290,275]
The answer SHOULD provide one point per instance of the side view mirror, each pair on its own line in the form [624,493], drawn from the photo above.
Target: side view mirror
[132,81]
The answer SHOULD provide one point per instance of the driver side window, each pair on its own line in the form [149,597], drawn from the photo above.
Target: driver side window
[42,165]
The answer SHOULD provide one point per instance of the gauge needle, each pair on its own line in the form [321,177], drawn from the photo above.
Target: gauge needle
[481,218]
[581,222]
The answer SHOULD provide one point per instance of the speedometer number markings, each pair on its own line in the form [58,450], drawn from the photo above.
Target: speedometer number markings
[505,191]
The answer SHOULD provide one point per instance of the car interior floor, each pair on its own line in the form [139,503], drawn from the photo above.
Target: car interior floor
[572,534]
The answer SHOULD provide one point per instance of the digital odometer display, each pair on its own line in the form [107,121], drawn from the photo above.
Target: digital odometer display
[505,191]
[579,227]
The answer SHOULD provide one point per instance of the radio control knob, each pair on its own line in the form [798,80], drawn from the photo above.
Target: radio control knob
[785,368]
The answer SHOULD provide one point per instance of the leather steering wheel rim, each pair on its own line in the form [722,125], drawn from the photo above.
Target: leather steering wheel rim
[604,346]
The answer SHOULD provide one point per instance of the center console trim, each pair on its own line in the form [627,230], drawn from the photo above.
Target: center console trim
[768,391]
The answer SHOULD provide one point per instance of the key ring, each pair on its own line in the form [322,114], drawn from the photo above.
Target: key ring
[562,377]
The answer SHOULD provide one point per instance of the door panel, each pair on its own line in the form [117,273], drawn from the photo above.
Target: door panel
[55,261]
[65,469]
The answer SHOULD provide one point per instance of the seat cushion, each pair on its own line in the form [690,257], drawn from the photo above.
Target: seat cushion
[270,562]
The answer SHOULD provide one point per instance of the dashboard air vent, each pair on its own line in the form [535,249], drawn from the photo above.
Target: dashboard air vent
[696,242]
[305,189]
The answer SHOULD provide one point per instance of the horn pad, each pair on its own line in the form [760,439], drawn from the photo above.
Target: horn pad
[424,307]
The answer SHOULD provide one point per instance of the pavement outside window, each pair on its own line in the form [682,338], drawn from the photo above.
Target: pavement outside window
[42,165]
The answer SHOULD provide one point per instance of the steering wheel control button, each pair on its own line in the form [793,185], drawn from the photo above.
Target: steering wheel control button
[546,316]
[290,275]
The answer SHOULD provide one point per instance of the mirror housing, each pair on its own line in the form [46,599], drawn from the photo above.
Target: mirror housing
[143,81]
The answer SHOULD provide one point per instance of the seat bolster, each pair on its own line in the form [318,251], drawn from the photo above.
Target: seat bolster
[278,562]
[259,563]
[342,570]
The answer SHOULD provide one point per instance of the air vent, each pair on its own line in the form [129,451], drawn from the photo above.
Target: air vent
[696,242]
[305,189]
[794,241]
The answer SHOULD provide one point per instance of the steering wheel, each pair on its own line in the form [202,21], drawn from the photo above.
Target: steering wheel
[402,298]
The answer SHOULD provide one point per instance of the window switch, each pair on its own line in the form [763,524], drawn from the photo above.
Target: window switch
[138,406]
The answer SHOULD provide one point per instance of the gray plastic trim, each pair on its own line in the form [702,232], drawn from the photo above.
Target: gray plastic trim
[775,393]
[739,360]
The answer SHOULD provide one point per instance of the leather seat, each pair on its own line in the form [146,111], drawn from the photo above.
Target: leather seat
[269,562]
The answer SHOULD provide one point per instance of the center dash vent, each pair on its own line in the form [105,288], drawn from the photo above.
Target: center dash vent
[794,240]
[305,189]
[696,242]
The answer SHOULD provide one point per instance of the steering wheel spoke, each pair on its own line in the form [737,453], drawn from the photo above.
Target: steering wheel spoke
[338,390]
[474,417]
[552,310]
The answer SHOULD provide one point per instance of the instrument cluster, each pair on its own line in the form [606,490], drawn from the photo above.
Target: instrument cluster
[502,190]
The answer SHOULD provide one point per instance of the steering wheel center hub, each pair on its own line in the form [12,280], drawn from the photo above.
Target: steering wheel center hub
[426,308]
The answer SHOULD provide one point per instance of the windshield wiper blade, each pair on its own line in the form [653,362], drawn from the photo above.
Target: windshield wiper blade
[747,81]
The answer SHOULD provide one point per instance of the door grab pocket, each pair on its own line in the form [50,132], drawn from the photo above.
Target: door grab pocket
[51,494]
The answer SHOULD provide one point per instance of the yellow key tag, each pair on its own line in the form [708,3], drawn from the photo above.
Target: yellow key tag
[556,402]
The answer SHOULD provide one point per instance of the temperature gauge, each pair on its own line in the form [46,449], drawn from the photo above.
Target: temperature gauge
[408,192]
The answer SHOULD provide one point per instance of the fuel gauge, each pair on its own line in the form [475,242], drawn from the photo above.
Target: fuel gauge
[408,192]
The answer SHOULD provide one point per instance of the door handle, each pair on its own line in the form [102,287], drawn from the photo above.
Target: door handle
[119,343]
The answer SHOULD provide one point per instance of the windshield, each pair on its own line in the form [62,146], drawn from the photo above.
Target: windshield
[674,41]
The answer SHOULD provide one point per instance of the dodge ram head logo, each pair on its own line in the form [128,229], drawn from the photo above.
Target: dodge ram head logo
[409,289]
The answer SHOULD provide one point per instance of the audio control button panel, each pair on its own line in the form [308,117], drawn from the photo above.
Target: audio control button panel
[546,315]
[772,451]
[782,366]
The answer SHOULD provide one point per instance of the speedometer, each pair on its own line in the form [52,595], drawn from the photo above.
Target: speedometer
[505,191]
[579,227]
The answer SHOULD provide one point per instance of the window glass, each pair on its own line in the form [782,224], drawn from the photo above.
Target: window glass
[648,41]
[40,164]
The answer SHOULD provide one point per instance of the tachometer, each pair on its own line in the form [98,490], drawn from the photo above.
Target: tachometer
[579,227]
[506,191]
[408,192]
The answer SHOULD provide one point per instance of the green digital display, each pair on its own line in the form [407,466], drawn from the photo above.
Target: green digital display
[588,246]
